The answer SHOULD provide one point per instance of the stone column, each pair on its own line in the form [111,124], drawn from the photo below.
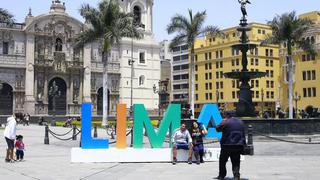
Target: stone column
[29,105]
[86,85]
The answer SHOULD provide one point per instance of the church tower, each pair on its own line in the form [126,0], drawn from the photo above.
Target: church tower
[142,12]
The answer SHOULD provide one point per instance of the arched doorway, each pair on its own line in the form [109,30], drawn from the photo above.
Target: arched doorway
[100,101]
[6,99]
[61,97]
[137,15]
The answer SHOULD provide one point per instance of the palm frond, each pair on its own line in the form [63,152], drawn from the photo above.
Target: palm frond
[6,16]
[178,23]
[177,40]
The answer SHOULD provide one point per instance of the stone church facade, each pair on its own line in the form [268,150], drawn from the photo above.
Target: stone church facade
[38,56]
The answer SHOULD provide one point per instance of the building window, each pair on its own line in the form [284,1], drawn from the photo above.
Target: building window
[137,15]
[142,59]
[237,62]
[196,97]
[314,92]
[210,55]
[210,96]
[205,56]
[210,66]
[252,61]
[207,96]
[267,62]
[196,67]
[271,73]
[303,58]
[221,85]
[221,95]
[221,64]
[272,84]
[268,84]
[259,31]
[257,83]
[217,65]
[58,44]
[256,51]
[207,86]
[233,84]
[233,94]
[309,75]
[267,52]
[313,75]
[304,92]
[217,75]
[141,80]
[304,75]
[210,86]
[217,85]
[272,94]
[206,76]
[5,48]
[257,62]
[232,62]
[217,54]
[257,94]
[206,66]
[221,54]
[271,52]
[196,87]
[271,63]
[210,75]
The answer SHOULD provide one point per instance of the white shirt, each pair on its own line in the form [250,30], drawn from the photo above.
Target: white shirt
[10,130]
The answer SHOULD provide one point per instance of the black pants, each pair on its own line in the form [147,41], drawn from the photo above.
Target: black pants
[234,154]
[19,154]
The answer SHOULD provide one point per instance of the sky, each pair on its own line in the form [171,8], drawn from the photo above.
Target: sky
[222,13]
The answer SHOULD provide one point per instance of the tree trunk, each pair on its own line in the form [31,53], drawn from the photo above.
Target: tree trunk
[290,83]
[105,89]
[192,83]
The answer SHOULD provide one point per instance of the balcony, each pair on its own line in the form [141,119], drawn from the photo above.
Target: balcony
[61,56]
[12,60]
[76,64]
[43,61]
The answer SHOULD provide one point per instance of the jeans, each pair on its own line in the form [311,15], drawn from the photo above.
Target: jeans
[19,154]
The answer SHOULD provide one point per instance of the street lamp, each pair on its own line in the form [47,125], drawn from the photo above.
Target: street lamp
[217,97]
[53,93]
[262,103]
[296,98]
[157,91]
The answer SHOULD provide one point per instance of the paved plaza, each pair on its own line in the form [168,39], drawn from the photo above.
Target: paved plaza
[272,161]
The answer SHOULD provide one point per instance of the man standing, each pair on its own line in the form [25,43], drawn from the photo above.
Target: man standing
[10,135]
[232,143]
[181,139]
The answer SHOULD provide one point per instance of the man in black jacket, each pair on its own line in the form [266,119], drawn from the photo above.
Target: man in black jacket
[232,142]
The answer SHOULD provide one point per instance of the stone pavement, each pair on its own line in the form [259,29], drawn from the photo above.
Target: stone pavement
[272,161]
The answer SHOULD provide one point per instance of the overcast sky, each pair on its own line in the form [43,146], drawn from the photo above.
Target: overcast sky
[222,13]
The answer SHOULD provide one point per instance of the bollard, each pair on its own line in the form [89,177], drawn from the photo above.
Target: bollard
[74,135]
[131,132]
[250,139]
[46,135]
[95,133]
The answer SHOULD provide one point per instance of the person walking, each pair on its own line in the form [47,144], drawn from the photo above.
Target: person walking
[232,143]
[10,135]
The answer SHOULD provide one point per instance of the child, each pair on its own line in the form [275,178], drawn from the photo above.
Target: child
[19,148]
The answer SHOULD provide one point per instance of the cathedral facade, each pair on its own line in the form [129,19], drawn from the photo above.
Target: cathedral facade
[42,73]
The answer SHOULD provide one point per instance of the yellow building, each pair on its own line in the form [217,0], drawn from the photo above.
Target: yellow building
[306,78]
[215,56]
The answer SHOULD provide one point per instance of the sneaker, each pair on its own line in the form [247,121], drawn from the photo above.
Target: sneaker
[201,161]
[174,161]
[190,161]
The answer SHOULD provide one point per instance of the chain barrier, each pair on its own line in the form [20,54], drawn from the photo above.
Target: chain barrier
[60,134]
[283,140]
[67,139]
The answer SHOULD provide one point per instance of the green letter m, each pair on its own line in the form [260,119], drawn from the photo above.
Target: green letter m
[171,117]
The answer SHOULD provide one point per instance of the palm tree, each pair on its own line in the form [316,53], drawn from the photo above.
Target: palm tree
[288,29]
[189,29]
[6,16]
[108,26]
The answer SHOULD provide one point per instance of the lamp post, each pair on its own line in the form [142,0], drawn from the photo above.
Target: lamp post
[1,86]
[296,98]
[53,93]
[262,103]
[157,91]
[217,97]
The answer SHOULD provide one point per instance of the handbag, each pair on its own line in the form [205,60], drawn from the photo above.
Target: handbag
[246,150]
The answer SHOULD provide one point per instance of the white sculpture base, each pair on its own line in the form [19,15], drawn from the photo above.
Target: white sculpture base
[137,155]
